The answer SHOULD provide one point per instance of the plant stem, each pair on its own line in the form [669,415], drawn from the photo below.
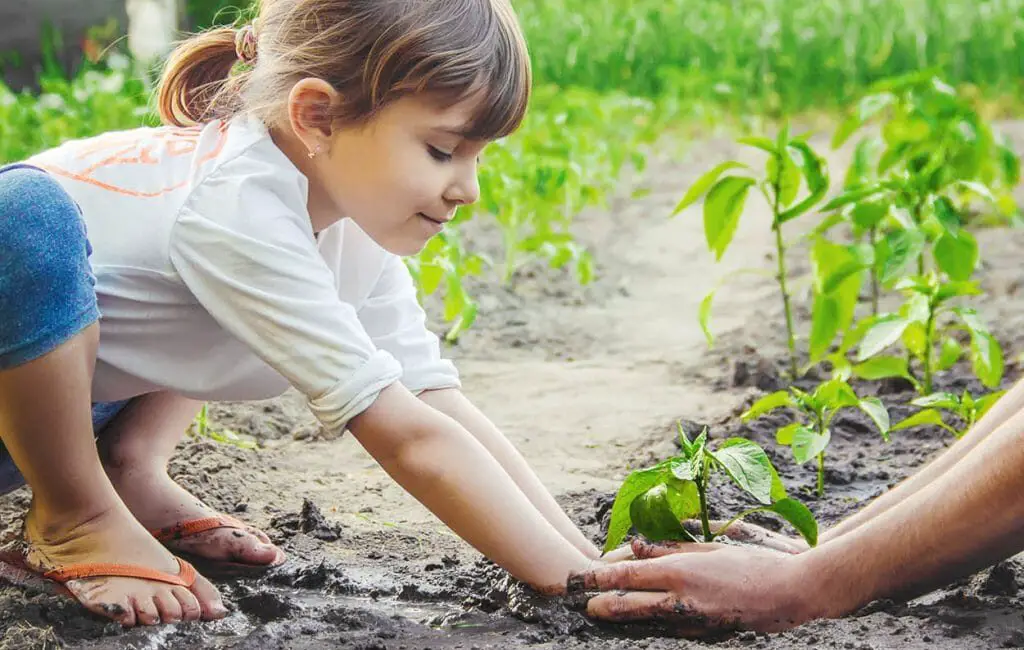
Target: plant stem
[702,493]
[872,235]
[821,474]
[929,334]
[917,221]
[780,248]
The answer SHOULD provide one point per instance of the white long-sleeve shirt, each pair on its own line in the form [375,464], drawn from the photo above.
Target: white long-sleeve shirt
[211,283]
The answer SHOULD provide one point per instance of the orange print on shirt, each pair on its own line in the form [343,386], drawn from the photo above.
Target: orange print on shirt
[138,147]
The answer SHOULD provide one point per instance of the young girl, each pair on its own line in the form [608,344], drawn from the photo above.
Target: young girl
[254,243]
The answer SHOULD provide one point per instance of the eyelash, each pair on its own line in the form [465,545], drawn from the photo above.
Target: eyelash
[439,155]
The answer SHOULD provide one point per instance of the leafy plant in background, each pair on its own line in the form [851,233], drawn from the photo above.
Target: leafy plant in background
[655,501]
[201,429]
[926,324]
[936,154]
[809,436]
[791,163]
[965,407]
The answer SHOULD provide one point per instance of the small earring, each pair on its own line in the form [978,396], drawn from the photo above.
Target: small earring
[312,154]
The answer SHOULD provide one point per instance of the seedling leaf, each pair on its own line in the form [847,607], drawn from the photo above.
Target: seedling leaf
[635,484]
[881,335]
[767,404]
[922,418]
[799,516]
[747,465]
[949,354]
[878,414]
[785,435]
[702,184]
[704,317]
[983,404]
[722,210]
[938,400]
[882,368]
[947,215]
[653,517]
[807,443]
[957,256]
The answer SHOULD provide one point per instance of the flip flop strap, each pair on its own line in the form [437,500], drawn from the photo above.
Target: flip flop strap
[186,573]
[194,527]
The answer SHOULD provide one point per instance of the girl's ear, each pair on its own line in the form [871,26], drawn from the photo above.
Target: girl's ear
[309,111]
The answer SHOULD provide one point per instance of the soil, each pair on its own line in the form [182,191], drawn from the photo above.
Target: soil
[589,383]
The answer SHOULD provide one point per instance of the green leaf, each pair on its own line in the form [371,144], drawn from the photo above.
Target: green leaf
[983,404]
[980,189]
[799,516]
[704,182]
[788,181]
[722,210]
[947,215]
[869,214]
[807,444]
[896,251]
[878,414]
[987,358]
[682,470]
[835,393]
[867,108]
[747,465]
[778,489]
[768,403]
[881,335]
[824,325]
[635,484]
[785,435]
[653,516]
[882,367]
[957,256]
[761,143]
[927,417]
[951,289]
[853,196]
[950,353]
[704,317]
[938,400]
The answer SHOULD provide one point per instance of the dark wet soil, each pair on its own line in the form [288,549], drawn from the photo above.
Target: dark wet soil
[368,589]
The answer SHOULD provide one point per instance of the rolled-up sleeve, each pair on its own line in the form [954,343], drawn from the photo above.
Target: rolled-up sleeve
[396,322]
[243,246]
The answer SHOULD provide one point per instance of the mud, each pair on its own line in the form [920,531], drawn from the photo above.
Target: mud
[589,383]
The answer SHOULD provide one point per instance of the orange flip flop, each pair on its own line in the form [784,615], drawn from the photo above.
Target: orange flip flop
[13,569]
[208,567]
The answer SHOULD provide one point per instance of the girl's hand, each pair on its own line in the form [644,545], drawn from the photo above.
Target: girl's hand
[748,533]
[624,552]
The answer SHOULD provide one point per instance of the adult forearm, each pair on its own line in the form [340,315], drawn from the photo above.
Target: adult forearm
[457,406]
[968,518]
[451,473]
[1008,406]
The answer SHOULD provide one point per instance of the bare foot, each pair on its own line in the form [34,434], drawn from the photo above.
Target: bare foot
[114,536]
[158,502]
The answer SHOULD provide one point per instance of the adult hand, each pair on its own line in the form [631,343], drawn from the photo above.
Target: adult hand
[702,589]
[746,533]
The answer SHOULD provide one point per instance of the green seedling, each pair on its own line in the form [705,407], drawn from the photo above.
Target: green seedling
[655,501]
[934,156]
[810,435]
[791,163]
[201,429]
[965,407]
[926,324]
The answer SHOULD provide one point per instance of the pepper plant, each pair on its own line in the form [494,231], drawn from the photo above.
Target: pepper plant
[810,435]
[791,163]
[655,501]
[965,407]
[926,324]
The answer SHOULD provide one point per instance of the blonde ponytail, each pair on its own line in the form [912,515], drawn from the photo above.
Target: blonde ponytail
[197,84]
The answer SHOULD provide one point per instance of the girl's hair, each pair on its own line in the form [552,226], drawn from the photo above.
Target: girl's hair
[372,52]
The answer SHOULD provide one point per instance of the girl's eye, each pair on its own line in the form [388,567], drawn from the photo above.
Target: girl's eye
[438,155]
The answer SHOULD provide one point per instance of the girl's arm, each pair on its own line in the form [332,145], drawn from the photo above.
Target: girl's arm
[450,472]
[453,403]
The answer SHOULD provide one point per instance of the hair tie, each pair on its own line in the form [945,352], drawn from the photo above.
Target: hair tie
[245,43]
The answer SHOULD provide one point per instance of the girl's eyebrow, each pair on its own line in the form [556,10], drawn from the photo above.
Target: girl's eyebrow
[460,131]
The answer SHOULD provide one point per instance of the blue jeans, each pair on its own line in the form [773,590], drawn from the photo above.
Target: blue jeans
[47,288]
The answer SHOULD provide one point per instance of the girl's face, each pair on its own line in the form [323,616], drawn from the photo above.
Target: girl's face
[401,176]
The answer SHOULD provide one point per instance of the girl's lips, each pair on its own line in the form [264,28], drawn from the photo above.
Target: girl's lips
[437,221]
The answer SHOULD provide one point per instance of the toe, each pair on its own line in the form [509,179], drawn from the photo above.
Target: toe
[167,606]
[100,599]
[251,550]
[209,599]
[258,534]
[146,611]
[190,609]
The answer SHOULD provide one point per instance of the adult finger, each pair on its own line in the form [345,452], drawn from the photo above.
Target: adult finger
[646,550]
[621,606]
[643,575]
